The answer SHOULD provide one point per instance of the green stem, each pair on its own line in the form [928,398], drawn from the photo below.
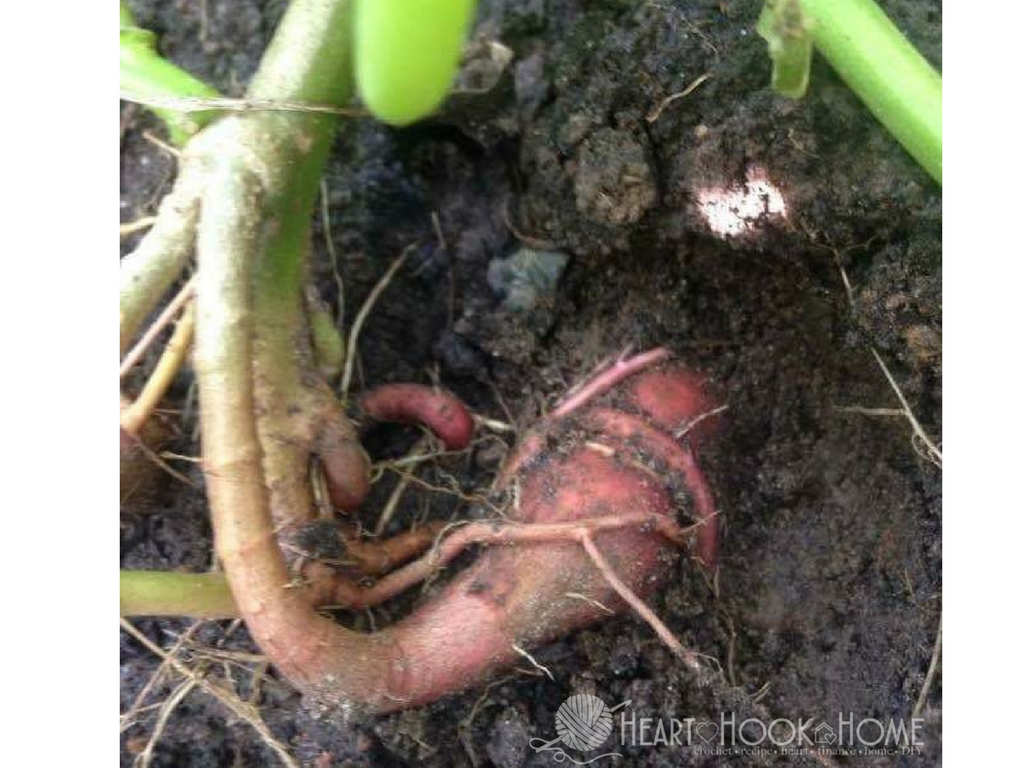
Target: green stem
[262,172]
[308,60]
[881,66]
[873,57]
[256,216]
[127,17]
[167,593]
[146,73]
[328,344]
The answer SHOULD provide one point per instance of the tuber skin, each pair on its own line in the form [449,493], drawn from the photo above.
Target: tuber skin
[345,465]
[609,453]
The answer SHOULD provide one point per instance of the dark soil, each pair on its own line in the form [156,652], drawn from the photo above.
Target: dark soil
[829,596]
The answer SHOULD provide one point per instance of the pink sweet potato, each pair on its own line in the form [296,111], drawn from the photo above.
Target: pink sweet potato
[607,458]
[594,495]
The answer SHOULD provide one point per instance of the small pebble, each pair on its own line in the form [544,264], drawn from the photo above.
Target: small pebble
[525,276]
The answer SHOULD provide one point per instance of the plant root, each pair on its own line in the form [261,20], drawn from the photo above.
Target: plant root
[441,412]
[150,270]
[688,656]
[346,593]
[159,381]
[265,413]
[352,343]
[605,379]
[175,306]
[243,710]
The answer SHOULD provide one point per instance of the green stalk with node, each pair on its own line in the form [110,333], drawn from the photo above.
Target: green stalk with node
[170,593]
[145,73]
[871,55]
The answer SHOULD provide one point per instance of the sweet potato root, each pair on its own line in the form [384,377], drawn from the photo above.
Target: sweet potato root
[594,497]
[440,411]
[609,458]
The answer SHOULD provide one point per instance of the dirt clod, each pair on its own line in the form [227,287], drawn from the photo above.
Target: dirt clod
[614,183]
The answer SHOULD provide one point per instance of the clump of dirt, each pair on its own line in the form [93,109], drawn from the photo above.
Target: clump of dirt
[828,599]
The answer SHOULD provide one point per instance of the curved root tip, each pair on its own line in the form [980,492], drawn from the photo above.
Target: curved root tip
[439,411]
[346,468]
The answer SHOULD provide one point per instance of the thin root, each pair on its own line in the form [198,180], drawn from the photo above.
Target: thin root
[155,458]
[166,709]
[493,424]
[136,414]
[132,227]
[933,665]
[591,601]
[151,684]
[933,453]
[364,311]
[921,442]
[243,710]
[680,433]
[608,378]
[403,483]
[478,705]
[526,655]
[688,656]
[170,311]
[655,113]
[159,143]
[455,537]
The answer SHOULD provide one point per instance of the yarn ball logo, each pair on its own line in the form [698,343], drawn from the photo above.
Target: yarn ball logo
[583,724]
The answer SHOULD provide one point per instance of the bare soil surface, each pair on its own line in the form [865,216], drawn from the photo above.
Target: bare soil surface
[829,596]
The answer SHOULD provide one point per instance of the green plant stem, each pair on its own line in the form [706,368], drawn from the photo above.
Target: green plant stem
[168,593]
[872,57]
[308,60]
[328,344]
[256,177]
[255,223]
[889,75]
[145,72]
[127,18]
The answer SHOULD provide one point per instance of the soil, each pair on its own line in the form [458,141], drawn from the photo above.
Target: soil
[829,596]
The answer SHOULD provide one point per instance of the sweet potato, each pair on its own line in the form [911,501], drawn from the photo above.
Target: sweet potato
[603,459]
[611,455]
[593,495]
